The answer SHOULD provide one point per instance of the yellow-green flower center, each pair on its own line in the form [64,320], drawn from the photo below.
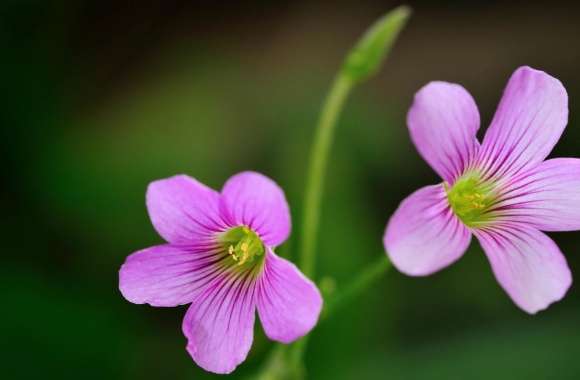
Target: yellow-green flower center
[242,245]
[471,199]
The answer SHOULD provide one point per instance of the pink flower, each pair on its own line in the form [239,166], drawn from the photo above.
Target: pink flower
[503,190]
[219,257]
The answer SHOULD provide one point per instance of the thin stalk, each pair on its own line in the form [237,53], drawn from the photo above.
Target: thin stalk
[317,168]
[357,286]
[362,62]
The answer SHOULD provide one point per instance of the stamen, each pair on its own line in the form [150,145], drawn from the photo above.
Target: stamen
[232,253]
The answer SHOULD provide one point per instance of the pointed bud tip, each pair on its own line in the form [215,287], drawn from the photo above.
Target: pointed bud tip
[373,47]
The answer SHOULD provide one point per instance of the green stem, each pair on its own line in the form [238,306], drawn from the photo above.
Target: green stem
[279,366]
[315,185]
[285,362]
[316,170]
[357,286]
[363,61]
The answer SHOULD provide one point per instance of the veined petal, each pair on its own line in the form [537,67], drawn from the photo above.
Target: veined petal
[424,235]
[527,264]
[546,196]
[288,303]
[183,210]
[254,200]
[529,121]
[167,275]
[443,122]
[220,321]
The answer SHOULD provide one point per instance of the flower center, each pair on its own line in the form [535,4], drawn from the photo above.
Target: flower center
[242,244]
[471,198]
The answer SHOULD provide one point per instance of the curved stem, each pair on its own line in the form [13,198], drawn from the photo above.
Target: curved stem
[315,185]
[316,170]
[362,62]
[354,289]
[357,286]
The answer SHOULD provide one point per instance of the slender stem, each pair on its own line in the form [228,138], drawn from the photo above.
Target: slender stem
[316,170]
[278,367]
[363,60]
[357,286]
[315,185]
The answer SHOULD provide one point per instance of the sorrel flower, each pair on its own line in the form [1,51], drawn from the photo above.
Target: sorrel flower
[503,190]
[219,257]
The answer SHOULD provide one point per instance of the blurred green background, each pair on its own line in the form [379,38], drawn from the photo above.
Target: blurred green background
[100,98]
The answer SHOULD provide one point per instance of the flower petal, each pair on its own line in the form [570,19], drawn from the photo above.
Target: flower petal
[288,303]
[166,275]
[183,210]
[443,122]
[529,121]
[424,235]
[256,201]
[219,324]
[527,264]
[546,196]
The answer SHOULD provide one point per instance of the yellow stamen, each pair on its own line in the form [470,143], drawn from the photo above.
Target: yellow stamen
[232,252]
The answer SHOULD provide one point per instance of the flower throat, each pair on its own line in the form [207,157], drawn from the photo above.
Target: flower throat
[471,199]
[243,245]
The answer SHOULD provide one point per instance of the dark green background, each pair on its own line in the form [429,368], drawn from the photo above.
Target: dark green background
[100,98]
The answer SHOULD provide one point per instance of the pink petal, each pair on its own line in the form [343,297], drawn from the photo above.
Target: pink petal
[288,303]
[166,275]
[546,196]
[256,201]
[529,120]
[183,210]
[527,264]
[443,122]
[219,324]
[424,235]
